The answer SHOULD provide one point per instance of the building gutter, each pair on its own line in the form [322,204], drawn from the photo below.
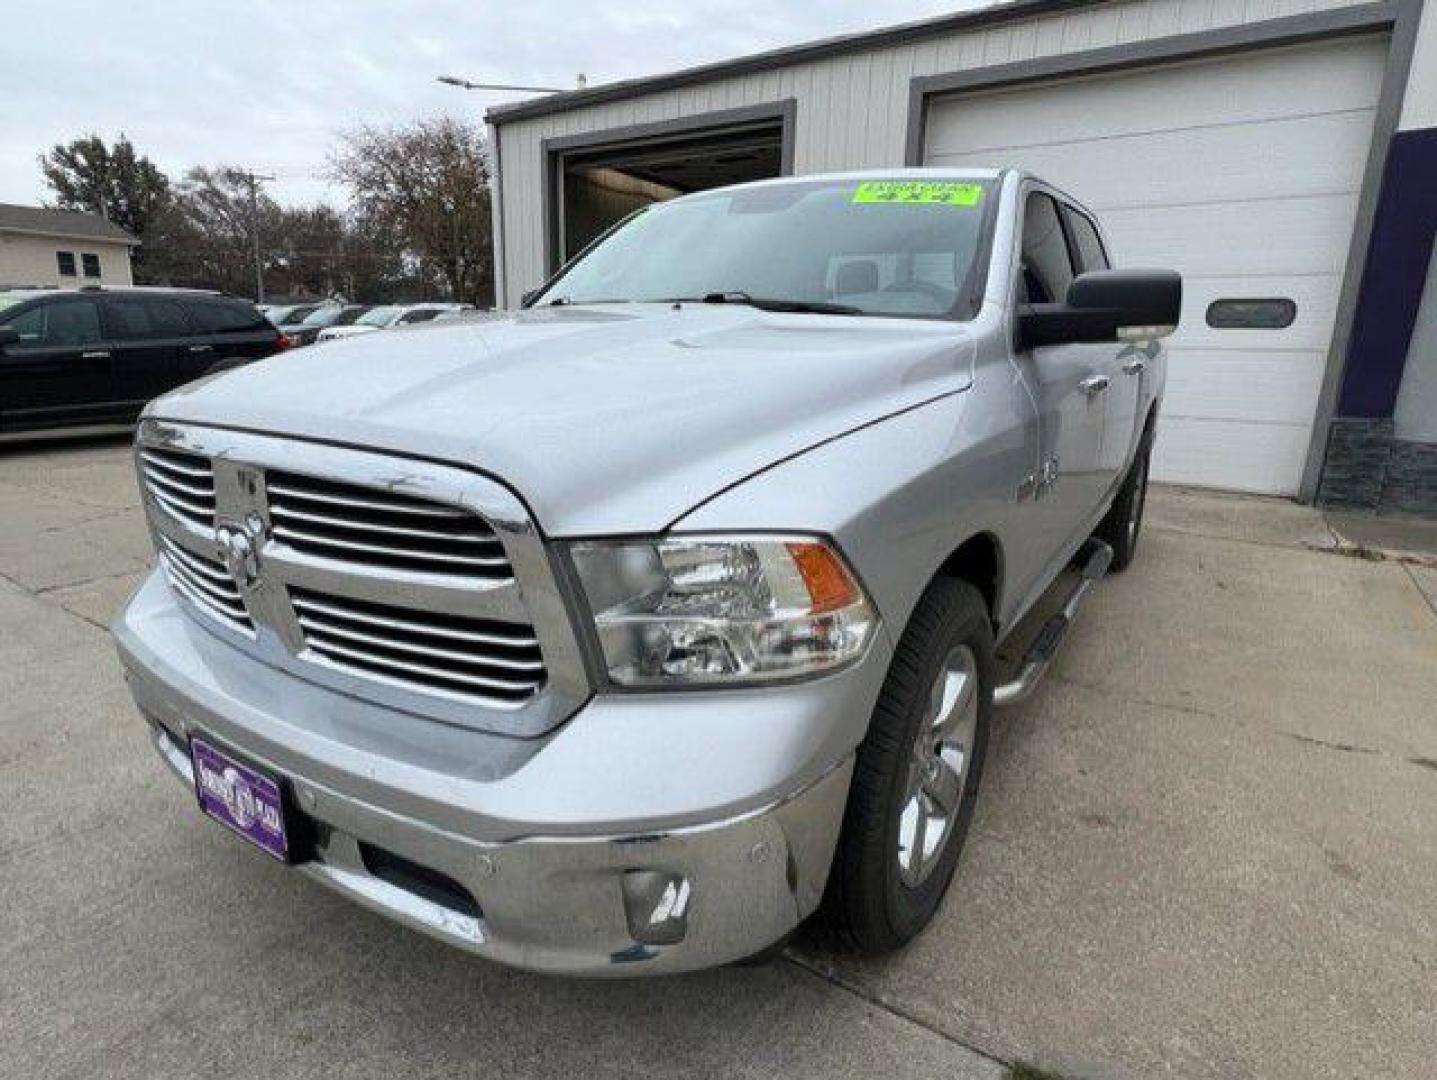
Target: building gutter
[86,237]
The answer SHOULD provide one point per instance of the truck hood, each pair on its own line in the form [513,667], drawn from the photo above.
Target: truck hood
[604,419]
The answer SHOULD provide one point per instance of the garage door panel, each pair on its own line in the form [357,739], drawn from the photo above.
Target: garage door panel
[1309,156]
[1243,174]
[1256,387]
[1292,236]
[1315,298]
[1293,82]
[1230,454]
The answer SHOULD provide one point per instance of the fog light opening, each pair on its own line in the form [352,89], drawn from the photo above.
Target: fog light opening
[656,906]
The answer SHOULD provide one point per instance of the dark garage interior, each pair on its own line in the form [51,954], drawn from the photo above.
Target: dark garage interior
[603,184]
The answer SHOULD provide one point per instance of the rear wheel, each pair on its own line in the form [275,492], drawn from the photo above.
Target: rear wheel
[915,781]
[1120,529]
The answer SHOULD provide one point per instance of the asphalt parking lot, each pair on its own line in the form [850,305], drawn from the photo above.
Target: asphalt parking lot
[1206,848]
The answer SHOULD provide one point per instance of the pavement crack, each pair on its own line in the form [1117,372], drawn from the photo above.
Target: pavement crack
[1328,744]
[85,618]
[17,583]
[49,529]
[97,579]
[829,974]
[1337,545]
[1176,706]
[1281,545]
[1431,600]
[1307,740]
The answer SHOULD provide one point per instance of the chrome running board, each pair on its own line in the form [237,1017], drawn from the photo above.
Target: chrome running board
[1097,557]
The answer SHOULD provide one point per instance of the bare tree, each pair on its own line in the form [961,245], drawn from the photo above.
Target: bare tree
[428,183]
[114,181]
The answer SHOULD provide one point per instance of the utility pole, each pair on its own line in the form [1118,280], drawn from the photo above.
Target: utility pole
[254,179]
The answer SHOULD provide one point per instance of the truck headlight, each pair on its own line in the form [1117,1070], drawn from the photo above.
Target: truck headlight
[705,610]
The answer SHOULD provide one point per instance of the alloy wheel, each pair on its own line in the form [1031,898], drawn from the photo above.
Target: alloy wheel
[938,766]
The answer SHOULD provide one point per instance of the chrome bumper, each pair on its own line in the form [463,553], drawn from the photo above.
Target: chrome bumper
[622,905]
[680,888]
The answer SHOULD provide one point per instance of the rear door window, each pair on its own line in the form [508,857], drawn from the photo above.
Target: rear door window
[130,320]
[147,318]
[168,318]
[1047,266]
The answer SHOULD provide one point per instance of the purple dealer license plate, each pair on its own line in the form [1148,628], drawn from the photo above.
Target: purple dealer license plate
[237,796]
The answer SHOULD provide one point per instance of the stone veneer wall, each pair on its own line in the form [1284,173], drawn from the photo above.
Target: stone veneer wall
[1369,468]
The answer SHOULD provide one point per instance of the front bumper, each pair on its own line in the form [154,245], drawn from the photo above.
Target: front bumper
[650,833]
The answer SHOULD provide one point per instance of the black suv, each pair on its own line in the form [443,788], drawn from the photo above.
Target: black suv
[94,357]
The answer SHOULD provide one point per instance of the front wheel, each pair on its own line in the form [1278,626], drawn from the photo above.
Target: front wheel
[915,781]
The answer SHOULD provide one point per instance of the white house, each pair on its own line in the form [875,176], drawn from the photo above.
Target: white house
[61,249]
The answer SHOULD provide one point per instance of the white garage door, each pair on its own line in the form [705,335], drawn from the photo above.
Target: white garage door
[1241,173]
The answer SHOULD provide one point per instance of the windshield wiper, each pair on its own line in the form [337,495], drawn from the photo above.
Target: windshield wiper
[569,301]
[735,296]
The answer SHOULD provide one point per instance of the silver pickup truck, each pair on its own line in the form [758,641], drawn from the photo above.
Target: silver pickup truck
[622,634]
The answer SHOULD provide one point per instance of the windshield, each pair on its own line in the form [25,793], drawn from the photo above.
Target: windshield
[380,316]
[871,247]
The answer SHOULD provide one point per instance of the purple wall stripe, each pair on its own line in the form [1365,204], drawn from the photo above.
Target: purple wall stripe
[1392,281]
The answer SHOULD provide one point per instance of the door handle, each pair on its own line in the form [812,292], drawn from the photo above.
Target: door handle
[98,354]
[1135,366]
[1094,385]
[201,348]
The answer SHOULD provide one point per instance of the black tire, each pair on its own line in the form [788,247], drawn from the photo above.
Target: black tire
[1123,525]
[867,901]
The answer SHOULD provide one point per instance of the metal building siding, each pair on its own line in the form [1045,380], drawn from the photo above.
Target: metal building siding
[853,107]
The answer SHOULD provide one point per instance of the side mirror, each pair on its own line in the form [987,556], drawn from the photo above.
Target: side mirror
[1106,305]
[8,336]
[530,296]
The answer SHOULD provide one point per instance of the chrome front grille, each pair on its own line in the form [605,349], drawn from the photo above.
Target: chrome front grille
[444,653]
[376,528]
[422,586]
[182,484]
[205,583]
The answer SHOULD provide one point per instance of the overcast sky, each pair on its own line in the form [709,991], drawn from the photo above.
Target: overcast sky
[266,84]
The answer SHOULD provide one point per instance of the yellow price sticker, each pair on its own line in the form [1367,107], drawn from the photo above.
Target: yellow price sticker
[918,192]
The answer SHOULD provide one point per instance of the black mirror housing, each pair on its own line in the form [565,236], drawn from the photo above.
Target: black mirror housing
[1106,305]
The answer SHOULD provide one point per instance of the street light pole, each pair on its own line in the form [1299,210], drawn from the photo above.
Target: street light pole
[254,178]
[495,206]
[465,84]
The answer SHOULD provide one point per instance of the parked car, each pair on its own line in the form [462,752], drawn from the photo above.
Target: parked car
[282,314]
[622,637]
[307,330]
[94,357]
[388,317]
[466,313]
[294,316]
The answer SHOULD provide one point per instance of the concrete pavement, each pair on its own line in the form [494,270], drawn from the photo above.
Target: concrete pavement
[1205,848]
